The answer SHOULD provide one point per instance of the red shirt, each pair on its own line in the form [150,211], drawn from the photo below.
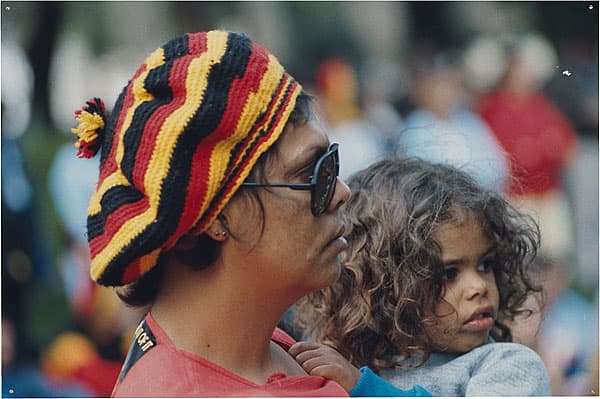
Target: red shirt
[156,368]
[538,139]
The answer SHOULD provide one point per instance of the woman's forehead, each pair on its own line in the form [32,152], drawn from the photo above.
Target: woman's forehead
[298,140]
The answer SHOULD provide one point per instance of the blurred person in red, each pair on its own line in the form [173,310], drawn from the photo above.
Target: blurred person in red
[539,141]
[541,144]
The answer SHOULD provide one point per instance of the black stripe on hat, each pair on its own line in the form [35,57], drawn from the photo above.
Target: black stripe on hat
[263,132]
[206,119]
[110,129]
[113,199]
[157,84]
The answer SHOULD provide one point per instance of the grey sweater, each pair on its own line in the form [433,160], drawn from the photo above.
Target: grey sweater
[494,369]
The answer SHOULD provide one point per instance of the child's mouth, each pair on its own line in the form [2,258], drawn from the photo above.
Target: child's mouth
[480,321]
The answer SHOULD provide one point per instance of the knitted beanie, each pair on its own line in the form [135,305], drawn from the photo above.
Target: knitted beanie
[182,137]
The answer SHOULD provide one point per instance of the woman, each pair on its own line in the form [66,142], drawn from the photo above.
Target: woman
[217,208]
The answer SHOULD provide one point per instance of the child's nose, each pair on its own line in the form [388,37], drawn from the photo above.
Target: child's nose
[476,286]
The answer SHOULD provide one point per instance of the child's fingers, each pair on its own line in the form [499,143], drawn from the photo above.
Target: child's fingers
[302,357]
[321,370]
[302,346]
[346,377]
[314,363]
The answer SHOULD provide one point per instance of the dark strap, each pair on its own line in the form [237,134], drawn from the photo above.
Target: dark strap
[143,342]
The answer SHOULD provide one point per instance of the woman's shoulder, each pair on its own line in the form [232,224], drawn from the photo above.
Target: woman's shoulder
[159,370]
[283,339]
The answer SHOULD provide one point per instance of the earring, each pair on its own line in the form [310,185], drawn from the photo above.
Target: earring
[224,233]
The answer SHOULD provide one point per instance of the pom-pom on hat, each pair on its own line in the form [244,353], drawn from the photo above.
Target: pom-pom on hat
[90,130]
[182,137]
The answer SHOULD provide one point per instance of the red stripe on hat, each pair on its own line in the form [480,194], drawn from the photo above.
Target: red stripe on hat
[257,144]
[156,120]
[196,43]
[254,146]
[200,171]
[114,222]
[110,164]
[251,140]
[143,157]
[132,272]
[260,51]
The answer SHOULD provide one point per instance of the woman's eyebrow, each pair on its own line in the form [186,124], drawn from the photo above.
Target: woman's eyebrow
[313,150]
[307,155]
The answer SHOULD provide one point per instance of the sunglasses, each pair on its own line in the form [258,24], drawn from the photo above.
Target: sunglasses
[322,182]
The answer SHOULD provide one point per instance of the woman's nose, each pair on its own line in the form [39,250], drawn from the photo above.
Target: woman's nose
[340,195]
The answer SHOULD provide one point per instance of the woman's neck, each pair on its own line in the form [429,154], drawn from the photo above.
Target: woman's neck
[221,317]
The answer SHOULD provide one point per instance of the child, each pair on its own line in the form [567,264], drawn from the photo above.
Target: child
[435,268]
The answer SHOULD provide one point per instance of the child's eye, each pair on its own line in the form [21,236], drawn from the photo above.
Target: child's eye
[450,273]
[485,266]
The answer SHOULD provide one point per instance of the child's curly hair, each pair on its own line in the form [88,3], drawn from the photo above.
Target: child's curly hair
[392,277]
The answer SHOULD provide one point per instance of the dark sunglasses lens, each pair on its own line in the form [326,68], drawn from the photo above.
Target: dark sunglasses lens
[325,187]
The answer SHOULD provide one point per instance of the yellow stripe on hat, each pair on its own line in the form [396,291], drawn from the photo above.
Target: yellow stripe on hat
[272,137]
[140,94]
[149,260]
[277,130]
[158,167]
[247,120]
[196,83]
[115,179]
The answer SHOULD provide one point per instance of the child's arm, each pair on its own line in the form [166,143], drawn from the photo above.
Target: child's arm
[324,361]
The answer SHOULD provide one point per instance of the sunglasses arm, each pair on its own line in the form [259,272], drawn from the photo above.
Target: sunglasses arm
[304,186]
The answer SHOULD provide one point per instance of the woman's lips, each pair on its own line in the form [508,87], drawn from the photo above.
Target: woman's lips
[339,243]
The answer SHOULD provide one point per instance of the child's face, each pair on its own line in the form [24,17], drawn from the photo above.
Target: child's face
[469,307]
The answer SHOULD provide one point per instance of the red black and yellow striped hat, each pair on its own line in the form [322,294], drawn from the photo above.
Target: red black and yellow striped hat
[183,135]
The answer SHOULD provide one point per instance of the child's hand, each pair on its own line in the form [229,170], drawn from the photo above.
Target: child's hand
[324,361]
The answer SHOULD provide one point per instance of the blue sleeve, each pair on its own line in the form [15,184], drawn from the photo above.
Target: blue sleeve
[370,384]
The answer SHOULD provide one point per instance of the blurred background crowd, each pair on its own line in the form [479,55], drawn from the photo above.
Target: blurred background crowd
[506,90]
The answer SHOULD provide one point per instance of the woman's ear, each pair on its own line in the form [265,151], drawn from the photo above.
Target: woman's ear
[218,230]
